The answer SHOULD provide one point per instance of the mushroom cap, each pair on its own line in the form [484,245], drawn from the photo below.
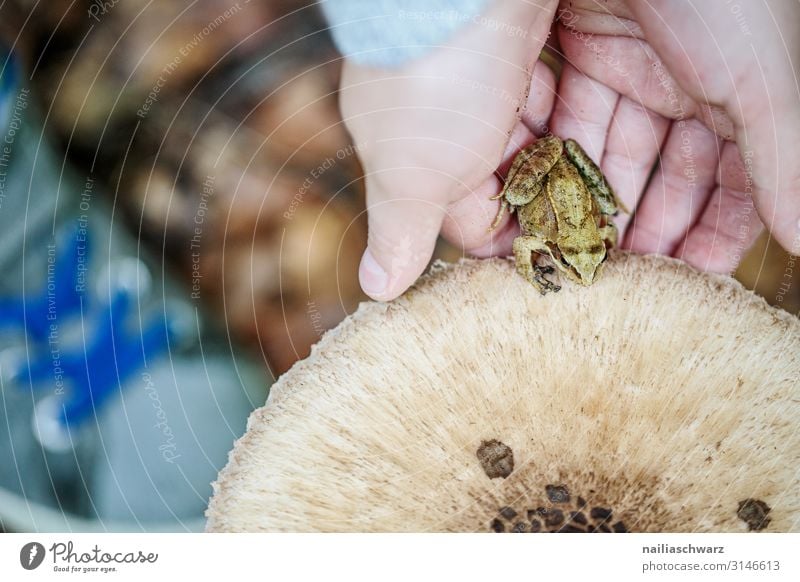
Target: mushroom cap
[658,399]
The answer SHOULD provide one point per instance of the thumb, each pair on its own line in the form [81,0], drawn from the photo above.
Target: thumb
[435,129]
[402,236]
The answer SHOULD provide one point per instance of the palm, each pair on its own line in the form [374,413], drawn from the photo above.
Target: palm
[621,101]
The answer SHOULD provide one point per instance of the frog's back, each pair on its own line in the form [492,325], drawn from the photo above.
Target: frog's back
[570,200]
[538,219]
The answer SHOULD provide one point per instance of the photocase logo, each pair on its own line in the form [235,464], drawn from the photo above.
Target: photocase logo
[31,555]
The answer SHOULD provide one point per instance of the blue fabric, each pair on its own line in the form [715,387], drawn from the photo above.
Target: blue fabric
[389,33]
[112,347]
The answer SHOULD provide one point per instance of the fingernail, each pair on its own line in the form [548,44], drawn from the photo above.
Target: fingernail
[374,279]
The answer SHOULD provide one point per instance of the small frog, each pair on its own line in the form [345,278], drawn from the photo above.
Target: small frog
[563,205]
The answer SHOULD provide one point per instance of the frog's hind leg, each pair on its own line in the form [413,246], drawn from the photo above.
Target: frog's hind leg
[524,247]
[525,179]
[596,182]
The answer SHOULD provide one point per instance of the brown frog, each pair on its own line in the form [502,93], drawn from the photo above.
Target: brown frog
[563,205]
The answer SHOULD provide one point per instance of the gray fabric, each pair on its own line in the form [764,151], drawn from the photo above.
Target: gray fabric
[389,33]
[26,168]
[153,477]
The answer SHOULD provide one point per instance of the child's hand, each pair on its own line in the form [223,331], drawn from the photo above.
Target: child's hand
[733,67]
[432,134]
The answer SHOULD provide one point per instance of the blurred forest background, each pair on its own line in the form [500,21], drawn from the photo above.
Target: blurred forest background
[229,108]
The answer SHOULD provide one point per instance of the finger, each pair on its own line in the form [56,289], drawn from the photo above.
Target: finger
[520,137]
[634,140]
[729,225]
[768,133]
[402,231]
[467,223]
[540,99]
[501,243]
[630,67]
[610,18]
[468,220]
[583,111]
[678,191]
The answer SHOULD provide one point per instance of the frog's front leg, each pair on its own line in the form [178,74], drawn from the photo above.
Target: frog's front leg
[609,233]
[524,247]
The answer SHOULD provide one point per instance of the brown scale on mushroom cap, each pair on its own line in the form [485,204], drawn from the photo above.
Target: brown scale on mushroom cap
[666,396]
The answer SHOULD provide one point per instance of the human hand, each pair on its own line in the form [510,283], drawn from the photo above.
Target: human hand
[432,134]
[709,87]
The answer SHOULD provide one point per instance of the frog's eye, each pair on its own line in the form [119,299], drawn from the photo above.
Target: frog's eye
[597,249]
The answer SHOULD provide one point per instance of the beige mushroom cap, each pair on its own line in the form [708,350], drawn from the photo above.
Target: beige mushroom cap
[658,399]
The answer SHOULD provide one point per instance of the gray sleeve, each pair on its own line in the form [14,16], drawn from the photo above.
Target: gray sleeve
[389,33]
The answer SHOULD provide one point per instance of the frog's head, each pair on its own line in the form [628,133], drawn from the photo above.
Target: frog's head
[583,264]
